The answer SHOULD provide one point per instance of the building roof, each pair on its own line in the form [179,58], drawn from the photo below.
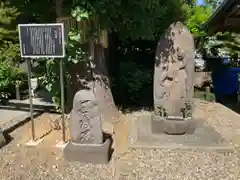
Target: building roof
[225,18]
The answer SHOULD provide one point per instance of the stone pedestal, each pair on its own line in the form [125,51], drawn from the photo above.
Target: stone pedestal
[204,137]
[88,153]
[172,125]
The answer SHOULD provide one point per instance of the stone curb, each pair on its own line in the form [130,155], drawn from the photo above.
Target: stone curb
[17,120]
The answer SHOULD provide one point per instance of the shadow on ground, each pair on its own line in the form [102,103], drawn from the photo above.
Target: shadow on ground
[7,137]
[109,136]
[233,106]
[7,132]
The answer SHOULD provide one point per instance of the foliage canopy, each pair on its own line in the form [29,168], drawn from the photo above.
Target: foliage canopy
[142,19]
[9,50]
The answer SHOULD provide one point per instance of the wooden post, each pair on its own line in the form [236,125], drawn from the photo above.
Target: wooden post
[17,91]
[59,7]
[207,93]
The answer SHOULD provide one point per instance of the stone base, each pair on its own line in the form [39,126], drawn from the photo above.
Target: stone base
[2,139]
[88,153]
[203,138]
[61,145]
[172,126]
[32,143]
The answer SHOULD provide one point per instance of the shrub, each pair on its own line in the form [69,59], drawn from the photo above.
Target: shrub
[50,68]
[9,77]
[133,86]
[9,50]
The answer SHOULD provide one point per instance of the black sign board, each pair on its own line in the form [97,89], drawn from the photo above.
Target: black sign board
[41,40]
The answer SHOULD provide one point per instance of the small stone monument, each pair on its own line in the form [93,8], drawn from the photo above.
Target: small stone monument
[174,82]
[87,143]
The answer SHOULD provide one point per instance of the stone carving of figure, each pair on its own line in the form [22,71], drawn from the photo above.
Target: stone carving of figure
[174,73]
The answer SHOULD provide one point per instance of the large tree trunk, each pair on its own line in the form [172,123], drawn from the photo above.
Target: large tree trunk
[95,75]
[102,85]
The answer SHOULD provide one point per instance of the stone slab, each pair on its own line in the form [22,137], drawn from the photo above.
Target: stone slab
[174,72]
[37,102]
[11,118]
[204,137]
[88,153]
[17,111]
[85,118]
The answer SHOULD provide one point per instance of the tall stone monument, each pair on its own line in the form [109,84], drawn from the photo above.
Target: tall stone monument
[87,144]
[174,81]
[172,124]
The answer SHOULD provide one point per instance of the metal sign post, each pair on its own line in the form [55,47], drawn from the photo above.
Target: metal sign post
[43,41]
[62,101]
[31,98]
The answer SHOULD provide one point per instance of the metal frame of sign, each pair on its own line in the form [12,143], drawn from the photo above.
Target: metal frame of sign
[30,73]
[42,56]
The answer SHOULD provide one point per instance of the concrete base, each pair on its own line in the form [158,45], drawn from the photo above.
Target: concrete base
[204,137]
[61,145]
[2,139]
[172,126]
[88,153]
[34,143]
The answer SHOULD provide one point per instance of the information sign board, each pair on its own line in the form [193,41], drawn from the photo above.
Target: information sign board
[42,40]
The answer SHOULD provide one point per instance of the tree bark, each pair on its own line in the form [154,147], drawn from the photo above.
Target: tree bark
[102,85]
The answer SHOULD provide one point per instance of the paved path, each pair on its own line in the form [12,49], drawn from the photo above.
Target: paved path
[17,111]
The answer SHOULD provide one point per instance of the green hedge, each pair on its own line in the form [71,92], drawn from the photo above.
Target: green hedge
[9,77]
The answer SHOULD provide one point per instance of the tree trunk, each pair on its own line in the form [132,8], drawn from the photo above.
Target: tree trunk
[83,75]
[94,76]
[102,85]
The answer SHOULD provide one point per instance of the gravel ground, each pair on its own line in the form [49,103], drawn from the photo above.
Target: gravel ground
[179,165]
[46,162]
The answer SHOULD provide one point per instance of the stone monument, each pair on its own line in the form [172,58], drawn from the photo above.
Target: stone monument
[174,82]
[172,124]
[87,143]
